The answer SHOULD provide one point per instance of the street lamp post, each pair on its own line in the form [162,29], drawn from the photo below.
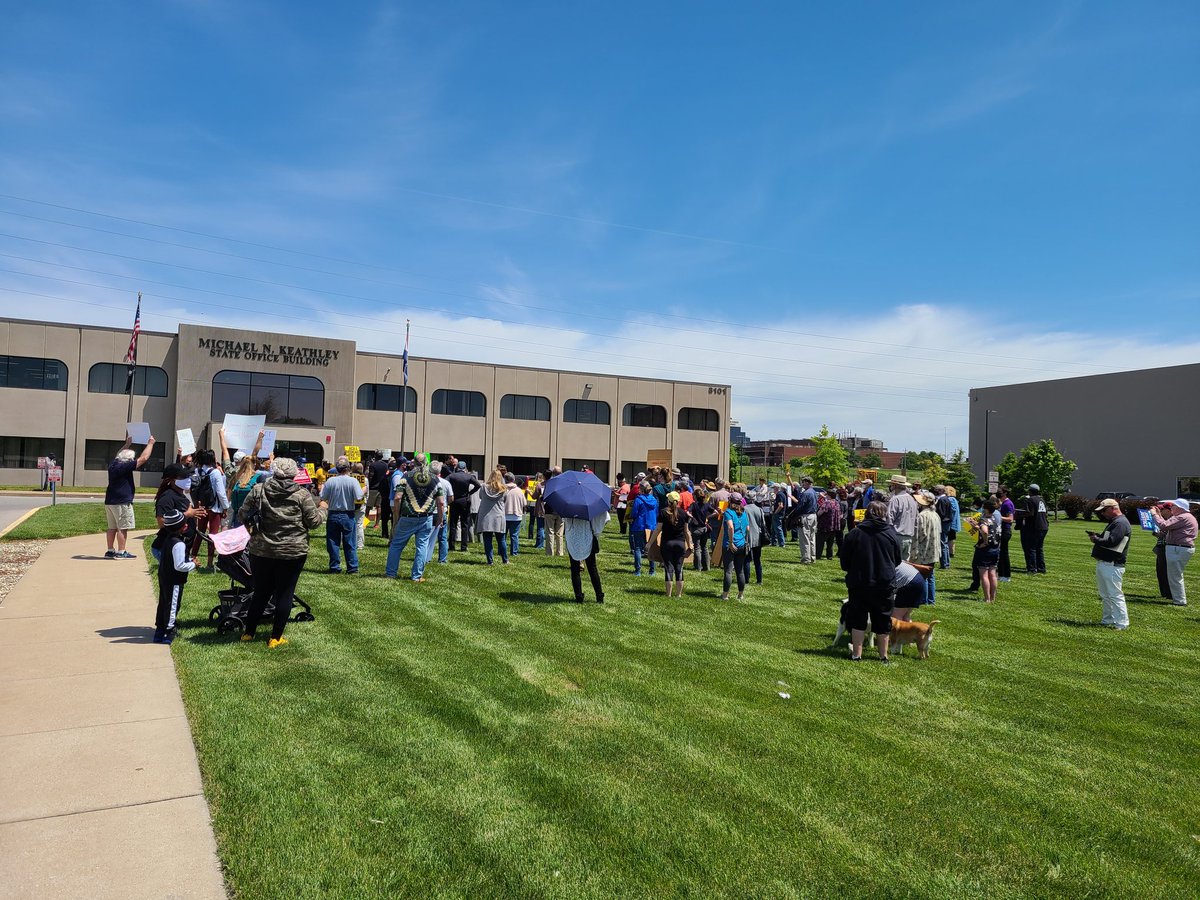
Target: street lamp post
[987,421]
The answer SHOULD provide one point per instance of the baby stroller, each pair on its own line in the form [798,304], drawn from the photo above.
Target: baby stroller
[230,614]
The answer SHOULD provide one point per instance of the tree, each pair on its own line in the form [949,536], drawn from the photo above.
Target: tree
[737,459]
[1039,463]
[871,460]
[828,464]
[797,462]
[933,473]
[918,459]
[959,474]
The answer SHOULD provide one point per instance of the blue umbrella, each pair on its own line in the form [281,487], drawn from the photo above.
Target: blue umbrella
[577,495]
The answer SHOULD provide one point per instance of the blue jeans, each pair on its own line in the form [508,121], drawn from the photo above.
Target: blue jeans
[637,540]
[540,540]
[341,531]
[929,588]
[487,546]
[514,536]
[945,561]
[777,529]
[421,529]
[439,538]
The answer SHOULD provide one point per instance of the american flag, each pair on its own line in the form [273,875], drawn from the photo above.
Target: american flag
[131,354]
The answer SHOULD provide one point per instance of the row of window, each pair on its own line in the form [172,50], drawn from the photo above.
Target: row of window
[300,399]
[445,402]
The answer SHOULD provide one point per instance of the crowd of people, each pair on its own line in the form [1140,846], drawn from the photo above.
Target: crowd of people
[890,542]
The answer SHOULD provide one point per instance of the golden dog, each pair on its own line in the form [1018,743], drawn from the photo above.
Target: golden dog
[919,633]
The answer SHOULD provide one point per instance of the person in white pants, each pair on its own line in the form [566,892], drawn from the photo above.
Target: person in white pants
[1177,528]
[1110,549]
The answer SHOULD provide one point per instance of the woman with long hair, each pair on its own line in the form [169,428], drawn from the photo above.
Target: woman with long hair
[491,523]
[675,540]
[734,537]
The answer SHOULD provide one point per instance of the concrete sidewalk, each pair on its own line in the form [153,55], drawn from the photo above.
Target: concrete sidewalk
[100,792]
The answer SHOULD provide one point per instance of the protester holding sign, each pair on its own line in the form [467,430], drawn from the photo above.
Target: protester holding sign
[1177,526]
[118,497]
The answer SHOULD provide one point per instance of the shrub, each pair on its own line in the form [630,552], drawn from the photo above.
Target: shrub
[1075,505]
[1131,505]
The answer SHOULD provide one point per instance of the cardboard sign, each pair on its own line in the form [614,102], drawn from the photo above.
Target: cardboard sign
[43,462]
[139,432]
[268,445]
[872,474]
[660,458]
[352,453]
[241,432]
[303,476]
[186,441]
[55,474]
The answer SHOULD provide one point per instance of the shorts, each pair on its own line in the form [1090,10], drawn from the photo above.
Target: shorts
[373,499]
[873,602]
[120,516]
[912,594]
[987,557]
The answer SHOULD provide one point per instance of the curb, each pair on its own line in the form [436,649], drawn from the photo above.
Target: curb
[5,530]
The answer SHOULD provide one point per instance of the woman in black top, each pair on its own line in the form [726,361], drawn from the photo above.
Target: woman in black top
[674,540]
[698,515]
[173,496]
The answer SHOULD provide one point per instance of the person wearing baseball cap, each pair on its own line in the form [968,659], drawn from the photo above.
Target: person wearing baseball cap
[173,570]
[1177,534]
[1110,550]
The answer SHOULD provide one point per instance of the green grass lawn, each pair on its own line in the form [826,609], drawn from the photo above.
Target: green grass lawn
[476,735]
[72,520]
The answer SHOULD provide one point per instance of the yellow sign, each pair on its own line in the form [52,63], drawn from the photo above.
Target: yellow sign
[311,468]
[872,474]
[859,515]
[352,453]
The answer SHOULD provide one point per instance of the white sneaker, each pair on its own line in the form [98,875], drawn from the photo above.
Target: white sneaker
[1004,579]
[1179,603]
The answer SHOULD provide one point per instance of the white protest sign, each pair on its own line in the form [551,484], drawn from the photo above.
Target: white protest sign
[186,441]
[139,432]
[268,446]
[241,432]
[386,454]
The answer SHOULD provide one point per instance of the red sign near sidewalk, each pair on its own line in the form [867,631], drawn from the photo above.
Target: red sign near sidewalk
[55,474]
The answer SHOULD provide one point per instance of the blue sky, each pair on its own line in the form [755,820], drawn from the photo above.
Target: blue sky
[852,213]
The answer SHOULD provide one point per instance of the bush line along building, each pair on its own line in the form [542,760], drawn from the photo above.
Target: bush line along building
[62,393]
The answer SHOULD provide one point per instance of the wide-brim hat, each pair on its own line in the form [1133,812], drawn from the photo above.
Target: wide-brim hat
[899,481]
[923,498]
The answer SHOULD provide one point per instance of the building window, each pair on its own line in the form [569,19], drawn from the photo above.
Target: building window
[692,419]
[23,452]
[586,412]
[524,406]
[111,378]
[98,455]
[599,467]
[474,463]
[699,471]
[458,403]
[644,415]
[524,465]
[306,450]
[631,467]
[33,372]
[283,399]
[386,397]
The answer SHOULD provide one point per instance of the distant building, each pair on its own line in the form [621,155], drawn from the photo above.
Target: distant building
[737,437]
[780,452]
[1127,431]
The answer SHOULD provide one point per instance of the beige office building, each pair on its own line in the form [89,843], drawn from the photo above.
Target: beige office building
[62,393]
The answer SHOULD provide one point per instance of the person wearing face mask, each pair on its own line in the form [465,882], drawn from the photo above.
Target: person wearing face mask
[174,496]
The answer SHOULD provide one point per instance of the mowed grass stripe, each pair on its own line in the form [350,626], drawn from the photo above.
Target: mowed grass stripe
[507,745]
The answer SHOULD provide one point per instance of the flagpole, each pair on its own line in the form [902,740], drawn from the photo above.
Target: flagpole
[131,358]
[404,390]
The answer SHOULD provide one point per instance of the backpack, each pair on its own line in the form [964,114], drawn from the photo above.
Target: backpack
[241,493]
[203,493]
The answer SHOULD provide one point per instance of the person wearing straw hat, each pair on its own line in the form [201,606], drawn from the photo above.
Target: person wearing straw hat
[1177,531]
[902,512]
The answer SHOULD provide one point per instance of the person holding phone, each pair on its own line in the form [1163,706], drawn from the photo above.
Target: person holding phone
[1110,549]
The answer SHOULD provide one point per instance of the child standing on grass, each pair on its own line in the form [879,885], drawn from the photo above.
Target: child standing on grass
[173,569]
